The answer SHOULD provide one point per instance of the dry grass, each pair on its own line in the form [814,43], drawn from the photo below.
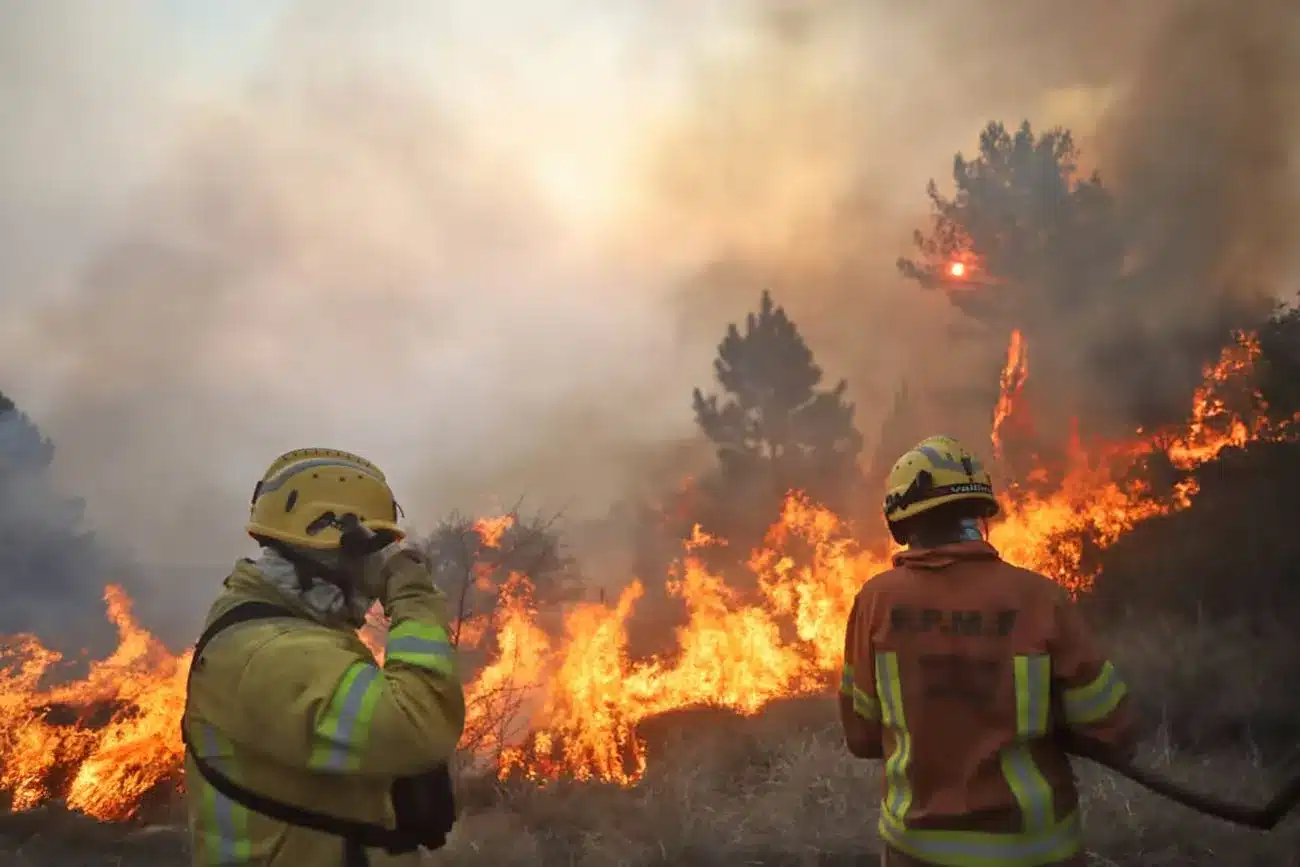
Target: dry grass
[763,791]
[1220,705]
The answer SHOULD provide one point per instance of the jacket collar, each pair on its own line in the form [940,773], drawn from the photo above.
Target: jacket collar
[941,556]
[248,582]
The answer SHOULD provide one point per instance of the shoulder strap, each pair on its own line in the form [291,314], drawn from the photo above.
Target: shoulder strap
[241,613]
[364,833]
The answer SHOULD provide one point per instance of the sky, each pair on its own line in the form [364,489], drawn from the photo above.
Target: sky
[490,246]
[108,104]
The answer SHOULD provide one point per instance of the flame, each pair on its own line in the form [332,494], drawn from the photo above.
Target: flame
[491,530]
[1214,427]
[108,769]
[957,269]
[565,700]
[1010,382]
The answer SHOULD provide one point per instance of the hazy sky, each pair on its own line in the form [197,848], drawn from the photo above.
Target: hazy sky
[472,240]
[527,115]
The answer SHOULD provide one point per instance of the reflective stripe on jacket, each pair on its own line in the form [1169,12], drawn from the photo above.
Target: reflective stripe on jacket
[298,711]
[959,670]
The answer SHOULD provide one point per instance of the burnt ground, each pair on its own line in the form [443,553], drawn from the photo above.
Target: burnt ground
[1221,708]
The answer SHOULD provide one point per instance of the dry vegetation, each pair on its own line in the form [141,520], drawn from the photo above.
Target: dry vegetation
[779,788]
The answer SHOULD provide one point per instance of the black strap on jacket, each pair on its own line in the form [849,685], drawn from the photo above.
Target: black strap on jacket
[427,825]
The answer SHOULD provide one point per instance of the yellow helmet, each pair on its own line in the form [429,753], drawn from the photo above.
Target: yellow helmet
[935,471]
[304,489]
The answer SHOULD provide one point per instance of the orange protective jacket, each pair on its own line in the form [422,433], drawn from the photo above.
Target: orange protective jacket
[963,671]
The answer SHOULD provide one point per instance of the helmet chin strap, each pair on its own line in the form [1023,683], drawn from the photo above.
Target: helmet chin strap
[335,568]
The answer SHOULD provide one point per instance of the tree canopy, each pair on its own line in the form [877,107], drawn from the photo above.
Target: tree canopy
[900,429]
[472,560]
[1026,243]
[774,425]
[1278,373]
[48,562]
[1022,221]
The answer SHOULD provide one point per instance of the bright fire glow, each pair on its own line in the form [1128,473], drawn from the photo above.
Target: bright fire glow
[103,743]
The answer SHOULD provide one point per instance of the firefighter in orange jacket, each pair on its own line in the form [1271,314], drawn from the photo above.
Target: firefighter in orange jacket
[965,674]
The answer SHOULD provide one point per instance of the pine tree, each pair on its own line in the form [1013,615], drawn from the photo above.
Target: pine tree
[774,426]
[48,563]
[1028,243]
[1021,220]
[899,431]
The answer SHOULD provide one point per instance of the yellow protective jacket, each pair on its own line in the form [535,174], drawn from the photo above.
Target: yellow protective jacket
[297,710]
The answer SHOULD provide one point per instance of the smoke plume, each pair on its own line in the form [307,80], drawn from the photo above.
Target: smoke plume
[803,159]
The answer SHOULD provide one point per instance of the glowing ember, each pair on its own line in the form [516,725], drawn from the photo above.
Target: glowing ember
[551,702]
[957,269]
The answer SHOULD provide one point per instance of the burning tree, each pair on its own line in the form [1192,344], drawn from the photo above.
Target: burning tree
[474,557]
[1020,220]
[1025,244]
[1022,244]
[498,573]
[774,426]
[1279,369]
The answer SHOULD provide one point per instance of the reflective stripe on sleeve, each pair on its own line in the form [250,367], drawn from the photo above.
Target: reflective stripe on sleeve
[864,704]
[224,838]
[424,645]
[1096,700]
[341,735]
[1033,680]
[889,690]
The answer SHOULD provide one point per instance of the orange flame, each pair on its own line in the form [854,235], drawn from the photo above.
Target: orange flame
[139,690]
[1214,427]
[1010,382]
[492,530]
[566,701]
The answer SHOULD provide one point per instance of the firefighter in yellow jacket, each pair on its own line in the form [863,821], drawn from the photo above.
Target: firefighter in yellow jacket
[972,677]
[301,750]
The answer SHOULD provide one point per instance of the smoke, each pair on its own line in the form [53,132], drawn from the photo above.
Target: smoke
[331,252]
[1202,138]
[1201,144]
[493,252]
[802,164]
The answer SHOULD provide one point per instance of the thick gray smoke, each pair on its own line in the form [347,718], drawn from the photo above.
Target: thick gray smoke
[805,160]
[1202,145]
[494,250]
[330,252]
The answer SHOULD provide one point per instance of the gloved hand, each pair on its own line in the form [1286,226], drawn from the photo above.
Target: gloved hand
[374,572]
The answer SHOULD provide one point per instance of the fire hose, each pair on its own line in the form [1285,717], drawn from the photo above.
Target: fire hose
[1265,818]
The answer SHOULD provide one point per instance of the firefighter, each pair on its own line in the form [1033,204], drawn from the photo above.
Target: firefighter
[300,749]
[968,675]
